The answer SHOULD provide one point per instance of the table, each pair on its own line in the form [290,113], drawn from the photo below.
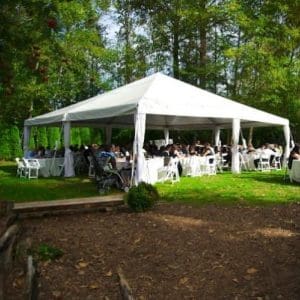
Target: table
[151,167]
[295,171]
[50,166]
[193,165]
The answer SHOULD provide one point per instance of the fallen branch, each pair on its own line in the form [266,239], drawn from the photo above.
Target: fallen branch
[126,291]
[7,236]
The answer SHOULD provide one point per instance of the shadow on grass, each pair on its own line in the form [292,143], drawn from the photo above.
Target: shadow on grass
[275,178]
[9,170]
[248,188]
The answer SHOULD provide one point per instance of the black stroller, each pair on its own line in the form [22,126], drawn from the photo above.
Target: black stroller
[106,177]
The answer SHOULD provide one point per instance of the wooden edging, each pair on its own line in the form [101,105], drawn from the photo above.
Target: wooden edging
[66,206]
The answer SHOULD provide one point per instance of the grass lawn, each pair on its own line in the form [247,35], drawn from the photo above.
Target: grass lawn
[225,188]
[53,188]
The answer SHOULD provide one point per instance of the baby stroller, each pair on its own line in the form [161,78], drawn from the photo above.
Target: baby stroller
[106,177]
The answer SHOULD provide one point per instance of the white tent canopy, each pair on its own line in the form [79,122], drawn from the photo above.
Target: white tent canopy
[159,102]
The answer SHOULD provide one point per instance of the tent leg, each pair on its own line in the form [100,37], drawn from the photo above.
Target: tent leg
[235,160]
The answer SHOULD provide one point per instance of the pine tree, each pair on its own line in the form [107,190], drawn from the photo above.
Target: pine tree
[15,143]
[42,139]
[5,152]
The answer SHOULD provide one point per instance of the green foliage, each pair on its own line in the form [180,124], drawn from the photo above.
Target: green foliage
[5,150]
[46,252]
[122,136]
[41,138]
[142,197]
[85,136]
[15,143]
[75,136]
[53,134]
[97,136]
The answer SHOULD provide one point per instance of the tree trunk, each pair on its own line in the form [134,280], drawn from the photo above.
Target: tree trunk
[203,45]
[176,48]
[235,70]
[250,137]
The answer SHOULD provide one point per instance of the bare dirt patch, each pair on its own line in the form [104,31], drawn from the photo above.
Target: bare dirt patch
[172,252]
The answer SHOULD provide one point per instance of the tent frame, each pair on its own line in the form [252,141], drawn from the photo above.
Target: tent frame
[148,103]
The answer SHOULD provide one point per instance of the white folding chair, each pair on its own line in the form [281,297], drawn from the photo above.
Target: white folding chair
[276,163]
[21,168]
[169,172]
[32,167]
[264,162]
[210,165]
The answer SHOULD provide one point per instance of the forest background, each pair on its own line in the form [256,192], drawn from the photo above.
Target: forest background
[56,53]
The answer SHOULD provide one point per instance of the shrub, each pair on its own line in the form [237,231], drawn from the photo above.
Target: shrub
[46,252]
[142,197]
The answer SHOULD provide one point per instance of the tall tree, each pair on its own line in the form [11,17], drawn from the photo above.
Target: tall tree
[52,54]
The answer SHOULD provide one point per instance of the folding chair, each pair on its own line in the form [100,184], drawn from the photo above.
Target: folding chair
[276,163]
[210,165]
[169,172]
[32,167]
[264,162]
[21,168]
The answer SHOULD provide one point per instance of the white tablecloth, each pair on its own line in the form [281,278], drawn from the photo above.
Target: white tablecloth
[150,173]
[192,165]
[50,166]
[295,171]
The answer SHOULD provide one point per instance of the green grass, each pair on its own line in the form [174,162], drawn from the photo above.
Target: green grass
[226,188]
[23,190]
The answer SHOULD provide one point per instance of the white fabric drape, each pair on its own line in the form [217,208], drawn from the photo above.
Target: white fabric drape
[217,136]
[235,160]
[26,140]
[108,134]
[69,160]
[287,136]
[138,154]
[167,135]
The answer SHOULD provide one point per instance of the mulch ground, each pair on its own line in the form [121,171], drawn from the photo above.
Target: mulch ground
[172,252]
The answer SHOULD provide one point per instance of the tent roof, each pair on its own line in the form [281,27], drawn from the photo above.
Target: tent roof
[166,101]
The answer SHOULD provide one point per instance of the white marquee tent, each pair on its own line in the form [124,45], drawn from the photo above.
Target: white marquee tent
[157,102]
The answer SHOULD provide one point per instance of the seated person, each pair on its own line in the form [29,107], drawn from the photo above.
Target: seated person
[48,152]
[250,149]
[175,153]
[295,154]
[192,150]
[207,150]
[108,153]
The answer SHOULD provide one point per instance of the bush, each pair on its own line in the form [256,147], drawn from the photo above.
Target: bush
[46,252]
[142,197]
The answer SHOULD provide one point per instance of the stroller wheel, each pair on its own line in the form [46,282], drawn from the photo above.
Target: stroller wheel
[102,191]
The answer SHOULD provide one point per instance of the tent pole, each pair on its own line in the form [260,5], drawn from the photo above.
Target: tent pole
[167,135]
[287,136]
[26,133]
[235,160]
[217,136]
[140,128]
[69,159]
[108,133]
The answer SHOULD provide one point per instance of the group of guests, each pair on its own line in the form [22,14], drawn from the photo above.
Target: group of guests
[44,152]
[197,148]
[295,154]
[174,150]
